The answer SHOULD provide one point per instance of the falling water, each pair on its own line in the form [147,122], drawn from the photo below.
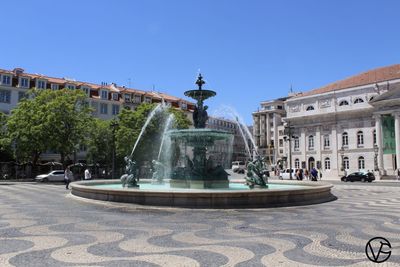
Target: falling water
[232,114]
[151,115]
[170,119]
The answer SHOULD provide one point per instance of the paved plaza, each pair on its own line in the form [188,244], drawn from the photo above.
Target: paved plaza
[43,225]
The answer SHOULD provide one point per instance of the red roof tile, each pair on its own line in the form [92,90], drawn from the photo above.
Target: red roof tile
[370,77]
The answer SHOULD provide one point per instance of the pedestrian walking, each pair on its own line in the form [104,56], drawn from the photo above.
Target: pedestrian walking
[306,175]
[88,175]
[314,174]
[68,175]
[398,174]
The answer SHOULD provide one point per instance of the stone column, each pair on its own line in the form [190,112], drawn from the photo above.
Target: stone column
[256,130]
[262,131]
[276,138]
[335,158]
[268,129]
[379,142]
[397,137]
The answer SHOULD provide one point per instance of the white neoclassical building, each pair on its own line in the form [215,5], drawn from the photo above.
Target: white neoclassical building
[347,126]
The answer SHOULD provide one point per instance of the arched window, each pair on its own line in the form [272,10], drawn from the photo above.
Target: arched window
[345,139]
[327,164]
[360,138]
[311,142]
[361,163]
[346,164]
[374,137]
[343,103]
[296,143]
[310,108]
[297,164]
[358,100]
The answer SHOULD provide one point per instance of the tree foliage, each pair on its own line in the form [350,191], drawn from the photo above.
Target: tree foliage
[49,120]
[99,144]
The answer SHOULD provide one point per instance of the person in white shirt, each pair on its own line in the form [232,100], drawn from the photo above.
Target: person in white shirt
[88,176]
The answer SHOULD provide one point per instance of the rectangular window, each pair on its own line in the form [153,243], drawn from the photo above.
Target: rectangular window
[115,109]
[41,84]
[86,90]
[104,94]
[24,82]
[147,99]
[311,143]
[103,108]
[21,96]
[281,142]
[184,105]
[95,107]
[5,96]
[71,86]
[326,142]
[115,96]
[54,86]
[296,144]
[138,99]
[6,80]
[127,97]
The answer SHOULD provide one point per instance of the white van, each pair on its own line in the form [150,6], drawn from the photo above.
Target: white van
[236,165]
[285,174]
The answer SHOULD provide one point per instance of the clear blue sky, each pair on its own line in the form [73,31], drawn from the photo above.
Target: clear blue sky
[248,50]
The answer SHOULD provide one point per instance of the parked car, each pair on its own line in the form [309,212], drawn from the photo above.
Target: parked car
[238,165]
[53,176]
[359,176]
[285,174]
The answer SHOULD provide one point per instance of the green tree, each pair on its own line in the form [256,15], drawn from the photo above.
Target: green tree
[5,143]
[26,130]
[99,144]
[49,120]
[67,120]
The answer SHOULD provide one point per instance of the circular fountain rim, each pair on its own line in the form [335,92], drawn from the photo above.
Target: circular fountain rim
[206,198]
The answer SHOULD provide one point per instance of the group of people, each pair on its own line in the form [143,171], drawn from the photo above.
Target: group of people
[311,175]
[69,176]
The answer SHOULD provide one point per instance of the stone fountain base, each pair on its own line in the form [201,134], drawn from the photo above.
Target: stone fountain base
[199,184]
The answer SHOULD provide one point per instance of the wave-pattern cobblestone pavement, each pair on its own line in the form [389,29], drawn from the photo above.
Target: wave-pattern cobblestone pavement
[42,225]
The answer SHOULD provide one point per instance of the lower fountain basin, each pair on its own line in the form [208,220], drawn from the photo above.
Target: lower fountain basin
[282,193]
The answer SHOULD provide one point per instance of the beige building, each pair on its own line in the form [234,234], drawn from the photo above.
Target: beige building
[107,100]
[268,129]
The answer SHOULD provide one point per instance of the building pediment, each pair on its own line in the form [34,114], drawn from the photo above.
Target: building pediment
[392,95]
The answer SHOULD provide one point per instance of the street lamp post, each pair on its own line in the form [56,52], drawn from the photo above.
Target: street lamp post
[376,150]
[341,151]
[288,137]
[114,125]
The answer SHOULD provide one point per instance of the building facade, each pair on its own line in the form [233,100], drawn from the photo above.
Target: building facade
[350,125]
[268,130]
[107,100]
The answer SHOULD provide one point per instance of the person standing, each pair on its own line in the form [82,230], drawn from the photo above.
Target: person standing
[398,174]
[88,176]
[67,177]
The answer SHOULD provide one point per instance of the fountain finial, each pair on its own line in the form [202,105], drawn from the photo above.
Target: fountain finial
[200,81]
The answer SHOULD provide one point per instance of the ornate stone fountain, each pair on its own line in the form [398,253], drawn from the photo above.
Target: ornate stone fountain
[197,168]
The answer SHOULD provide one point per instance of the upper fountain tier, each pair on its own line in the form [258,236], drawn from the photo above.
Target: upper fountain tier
[200,95]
